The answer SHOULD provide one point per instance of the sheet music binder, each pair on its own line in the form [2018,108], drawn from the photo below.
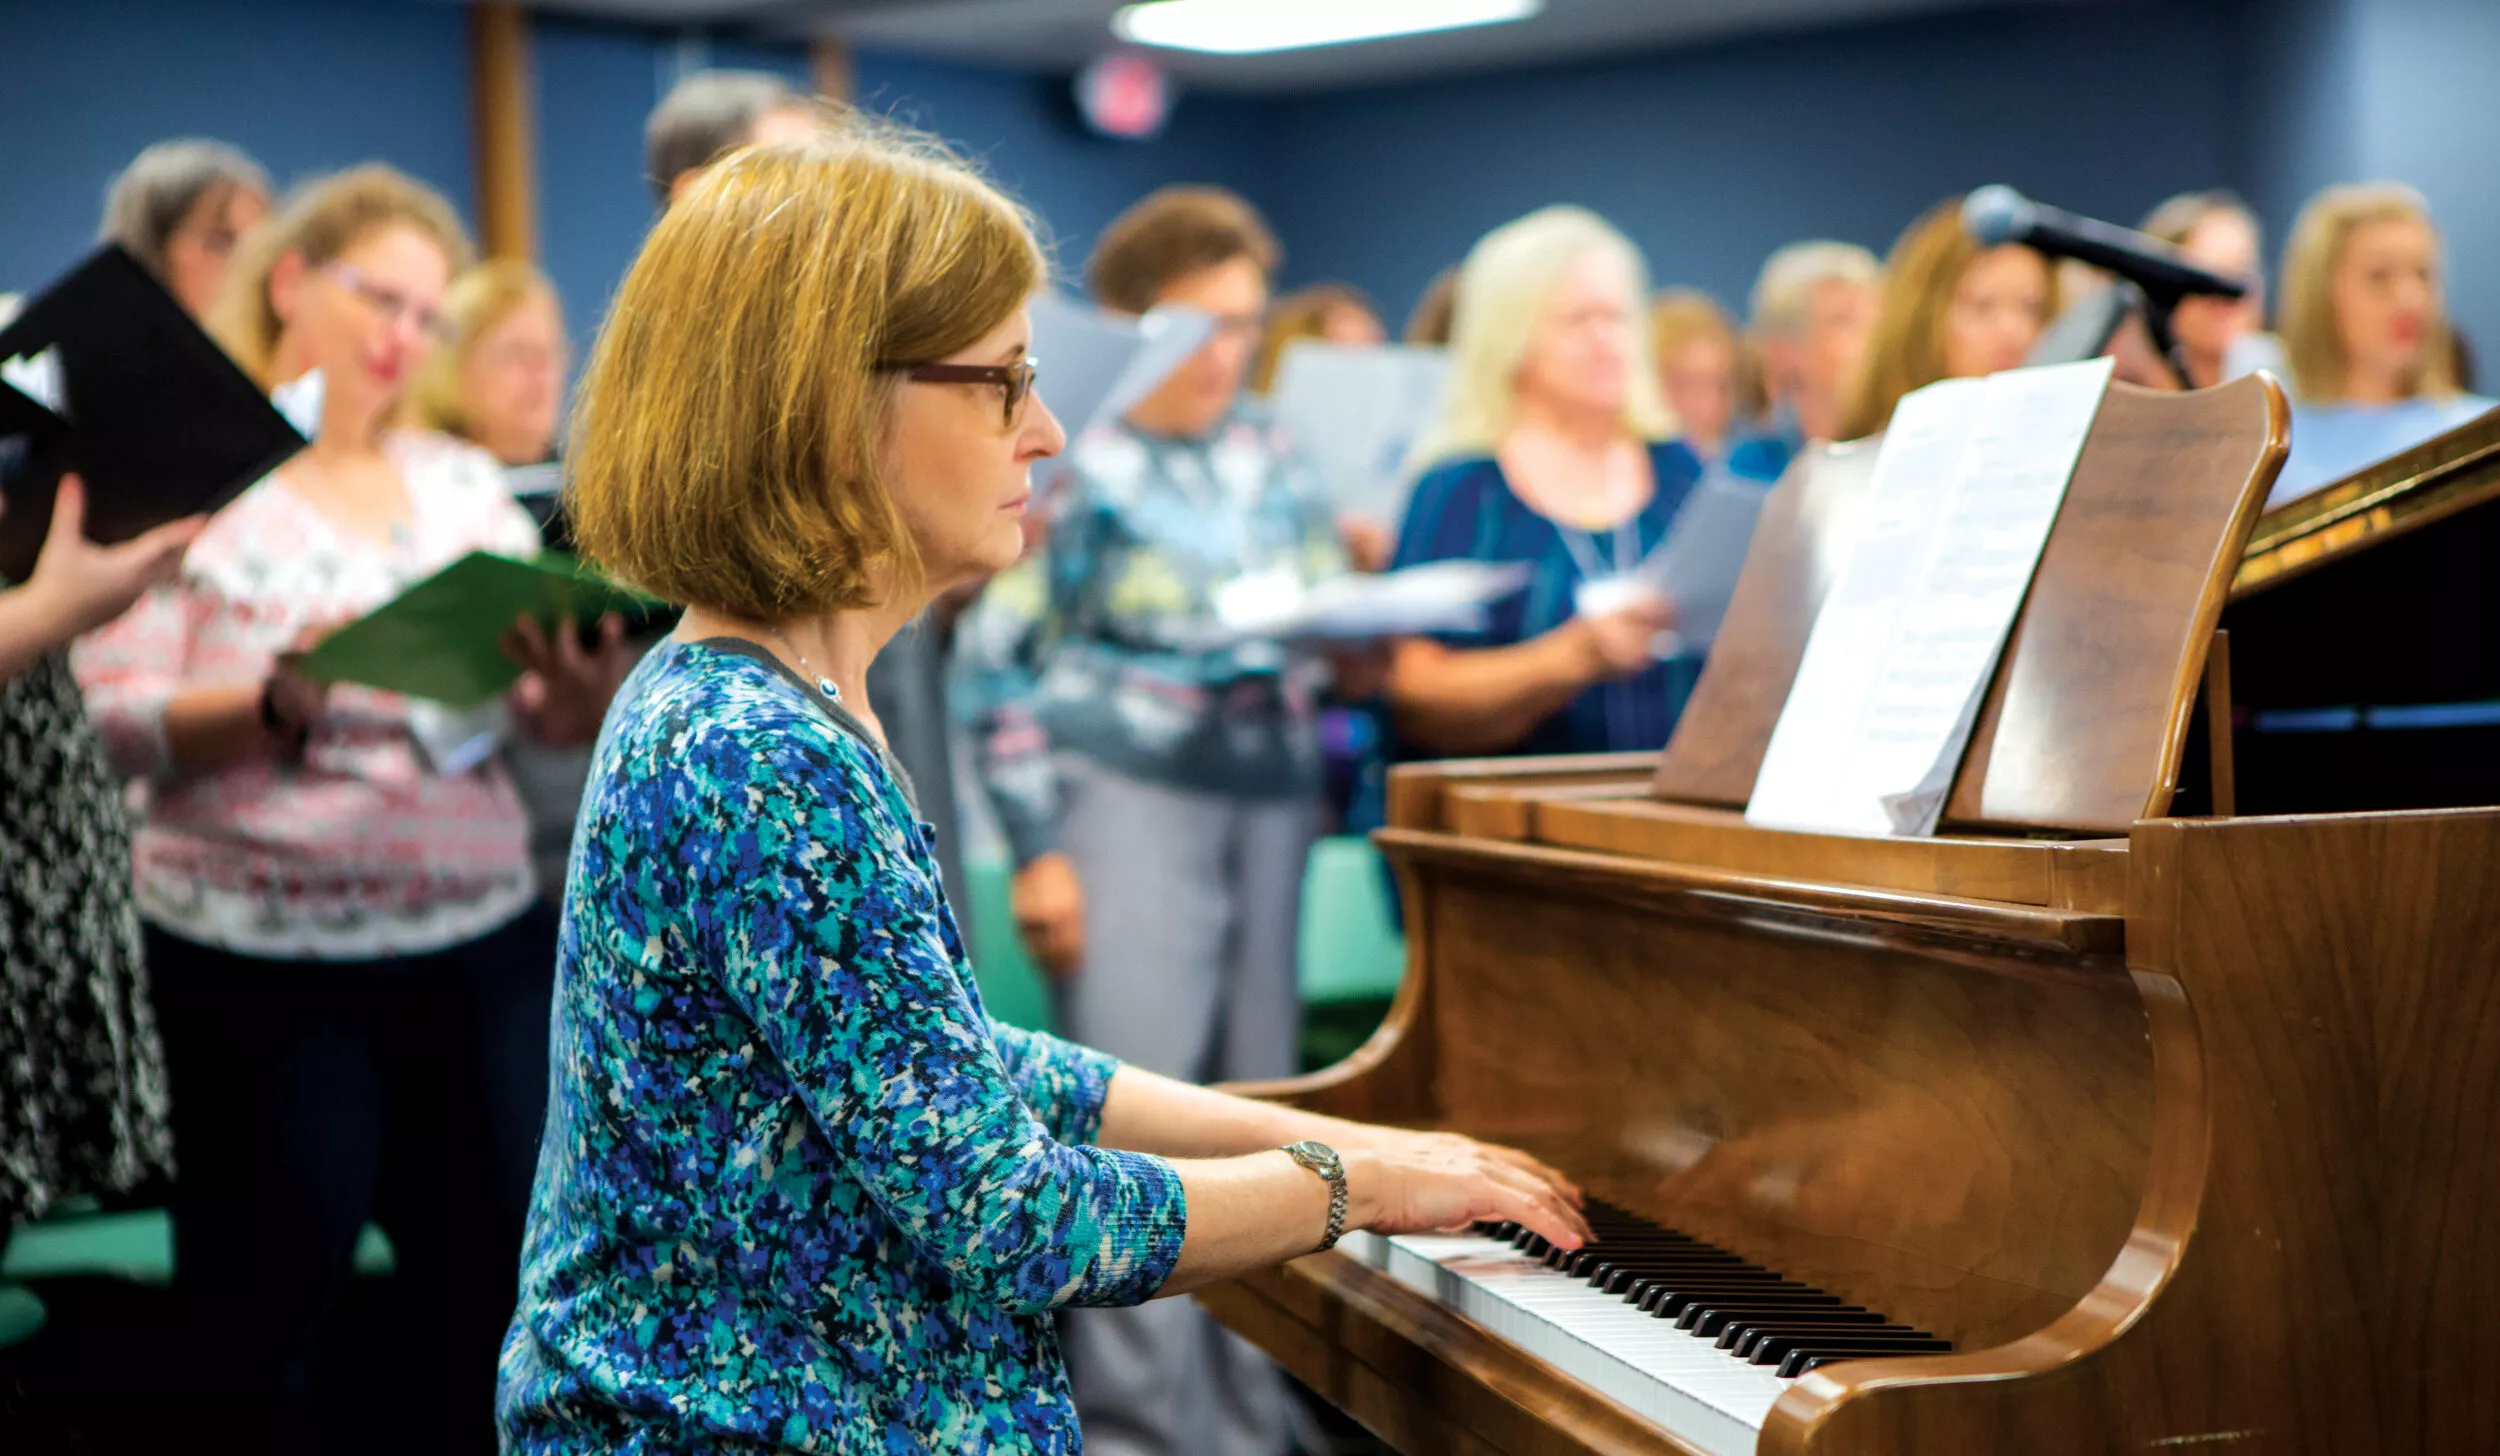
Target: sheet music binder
[105,375]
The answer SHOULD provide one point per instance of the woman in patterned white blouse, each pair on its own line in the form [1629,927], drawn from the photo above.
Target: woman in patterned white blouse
[350,968]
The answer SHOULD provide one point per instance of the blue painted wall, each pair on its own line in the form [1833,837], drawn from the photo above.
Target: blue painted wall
[304,85]
[597,83]
[1709,157]
[1712,157]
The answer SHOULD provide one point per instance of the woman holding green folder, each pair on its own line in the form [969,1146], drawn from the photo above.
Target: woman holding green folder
[350,964]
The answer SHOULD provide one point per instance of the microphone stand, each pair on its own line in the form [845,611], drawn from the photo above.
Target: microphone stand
[2155,307]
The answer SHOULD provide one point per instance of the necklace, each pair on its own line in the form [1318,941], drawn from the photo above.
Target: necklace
[824,684]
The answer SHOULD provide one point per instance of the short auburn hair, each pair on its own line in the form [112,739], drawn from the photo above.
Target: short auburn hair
[727,446]
[1171,234]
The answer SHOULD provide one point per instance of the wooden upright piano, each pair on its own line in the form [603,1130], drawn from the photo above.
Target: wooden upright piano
[2079,1127]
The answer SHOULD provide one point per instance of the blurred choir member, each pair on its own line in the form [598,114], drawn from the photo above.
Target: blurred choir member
[1555,450]
[179,208]
[1434,313]
[498,382]
[351,970]
[1332,313]
[2215,230]
[798,1194]
[2366,333]
[1159,795]
[1813,309]
[1951,310]
[1695,344]
[82,1080]
[711,113]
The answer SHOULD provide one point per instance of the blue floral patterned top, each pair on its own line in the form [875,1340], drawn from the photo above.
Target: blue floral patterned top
[797,1191]
[1099,643]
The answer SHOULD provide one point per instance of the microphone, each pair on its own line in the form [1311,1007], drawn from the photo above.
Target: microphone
[1998,214]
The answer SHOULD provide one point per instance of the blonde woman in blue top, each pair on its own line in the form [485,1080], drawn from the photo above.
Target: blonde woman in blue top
[1556,450]
[797,1191]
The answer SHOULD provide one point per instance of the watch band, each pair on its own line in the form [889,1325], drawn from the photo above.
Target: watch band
[1323,1160]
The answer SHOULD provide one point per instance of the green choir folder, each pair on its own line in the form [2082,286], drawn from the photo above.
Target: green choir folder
[442,638]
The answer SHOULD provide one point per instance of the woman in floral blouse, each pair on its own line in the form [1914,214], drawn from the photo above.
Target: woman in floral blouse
[798,1192]
[349,971]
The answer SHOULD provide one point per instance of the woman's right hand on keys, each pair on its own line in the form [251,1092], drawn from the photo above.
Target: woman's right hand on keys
[1422,1187]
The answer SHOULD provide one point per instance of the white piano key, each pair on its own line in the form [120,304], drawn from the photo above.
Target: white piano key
[1676,1379]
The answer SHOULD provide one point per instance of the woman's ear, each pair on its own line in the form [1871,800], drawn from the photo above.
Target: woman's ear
[286,286]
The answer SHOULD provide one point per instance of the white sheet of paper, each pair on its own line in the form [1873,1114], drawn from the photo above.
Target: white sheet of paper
[1095,366]
[1357,411]
[1968,483]
[1438,596]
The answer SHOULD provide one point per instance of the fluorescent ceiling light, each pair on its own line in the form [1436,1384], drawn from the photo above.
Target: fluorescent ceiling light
[1248,27]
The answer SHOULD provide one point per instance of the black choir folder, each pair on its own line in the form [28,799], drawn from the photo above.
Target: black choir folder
[105,375]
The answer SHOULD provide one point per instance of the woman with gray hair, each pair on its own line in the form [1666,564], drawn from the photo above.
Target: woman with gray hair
[179,207]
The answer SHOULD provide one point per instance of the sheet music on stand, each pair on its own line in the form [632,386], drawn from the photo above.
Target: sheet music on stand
[1965,490]
[1357,411]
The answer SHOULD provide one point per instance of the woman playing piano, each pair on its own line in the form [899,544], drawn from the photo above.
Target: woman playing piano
[797,1191]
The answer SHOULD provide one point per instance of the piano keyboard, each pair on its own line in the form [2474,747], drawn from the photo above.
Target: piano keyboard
[1683,1334]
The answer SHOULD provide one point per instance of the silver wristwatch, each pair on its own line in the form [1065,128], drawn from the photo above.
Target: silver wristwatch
[1322,1159]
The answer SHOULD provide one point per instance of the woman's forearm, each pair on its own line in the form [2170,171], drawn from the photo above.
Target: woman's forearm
[208,728]
[1482,700]
[1247,1213]
[1147,1113]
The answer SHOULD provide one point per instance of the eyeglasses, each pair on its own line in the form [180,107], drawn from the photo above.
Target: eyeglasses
[389,302]
[1015,381]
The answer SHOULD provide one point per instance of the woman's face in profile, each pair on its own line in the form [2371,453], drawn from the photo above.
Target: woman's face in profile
[2226,243]
[1999,306]
[961,469]
[1580,355]
[2385,293]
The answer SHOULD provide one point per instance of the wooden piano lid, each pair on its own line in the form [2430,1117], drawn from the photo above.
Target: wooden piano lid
[2083,727]
[2434,480]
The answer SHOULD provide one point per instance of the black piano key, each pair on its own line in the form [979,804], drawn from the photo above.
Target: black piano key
[1708,1320]
[1734,1334]
[1698,1304]
[1770,1347]
[1669,1298]
[1801,1361]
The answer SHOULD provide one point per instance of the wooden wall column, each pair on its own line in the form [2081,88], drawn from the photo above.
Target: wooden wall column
[505,142]
[829,63]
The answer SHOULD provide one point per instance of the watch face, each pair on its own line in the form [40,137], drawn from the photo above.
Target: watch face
[1318,1157]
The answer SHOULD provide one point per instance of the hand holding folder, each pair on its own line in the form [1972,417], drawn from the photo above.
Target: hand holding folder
[443,639]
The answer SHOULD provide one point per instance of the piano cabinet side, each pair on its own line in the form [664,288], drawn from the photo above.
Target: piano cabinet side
[2314,1266]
